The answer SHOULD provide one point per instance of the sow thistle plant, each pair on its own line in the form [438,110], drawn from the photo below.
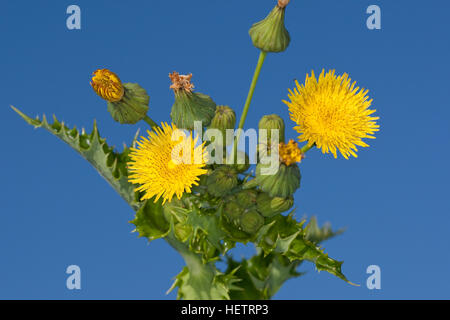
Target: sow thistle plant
[203,196]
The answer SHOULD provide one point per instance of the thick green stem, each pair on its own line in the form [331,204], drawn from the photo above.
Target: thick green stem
[262,57]
[200,284]
[192,259]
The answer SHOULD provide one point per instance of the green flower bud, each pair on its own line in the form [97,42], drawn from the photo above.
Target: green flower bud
[283,183]
[233,211]
[133,106]
[234,232]
[189,106]
[251,221]
[221,181]
[270,122]
[224,118]
[183,231]
[170,209]
[247,198]
[269,206]
[270,34]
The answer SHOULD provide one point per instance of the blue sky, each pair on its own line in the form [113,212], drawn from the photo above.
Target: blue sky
[393,200]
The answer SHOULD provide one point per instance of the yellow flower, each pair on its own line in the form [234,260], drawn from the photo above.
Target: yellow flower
[332,113]
[107,85]
[289,153]
[167,163]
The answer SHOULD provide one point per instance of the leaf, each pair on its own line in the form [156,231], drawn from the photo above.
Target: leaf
[150,221]
[199,280]
[262,276]
[245,289]
[318,234]
[287,237]
[212,285]
[208,224]
[110,164]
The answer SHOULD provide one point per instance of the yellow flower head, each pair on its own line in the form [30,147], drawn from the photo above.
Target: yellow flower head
[167,163]
[107,85]
[289,152]
[332,113]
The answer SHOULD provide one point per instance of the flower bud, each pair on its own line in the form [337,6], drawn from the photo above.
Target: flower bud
[221,181]
[251,221]
[269,206]
[283,183]
[170,209]
[183,231]
[127,103]
[270,34]
[270,122]
[247,198]
[189,106]
[233,211]
[224,118]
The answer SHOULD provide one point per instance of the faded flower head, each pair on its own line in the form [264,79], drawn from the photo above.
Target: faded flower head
[107,85]
[167,163]
[189,106]
[283,3]
[181,82]
[332,113]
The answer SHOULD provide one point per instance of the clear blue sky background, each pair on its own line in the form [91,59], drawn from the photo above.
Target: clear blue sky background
[57,211]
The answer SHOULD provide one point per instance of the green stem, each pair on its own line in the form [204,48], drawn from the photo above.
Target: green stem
[306,148]
[201,276]
[193,260]
[152,123]
[262,57]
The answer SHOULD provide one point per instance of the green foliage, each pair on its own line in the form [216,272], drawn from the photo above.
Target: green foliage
[201,229]
[286,236]
[261,276]
[201,281]
[110,164]
[317,234]
[150,221]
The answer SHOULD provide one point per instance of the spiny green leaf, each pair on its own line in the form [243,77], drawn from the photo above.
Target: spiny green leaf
[207,284]
[317,234]
[262,276]
[209,224]
[110,164]
[287,237]
[245,289]
[200,280]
